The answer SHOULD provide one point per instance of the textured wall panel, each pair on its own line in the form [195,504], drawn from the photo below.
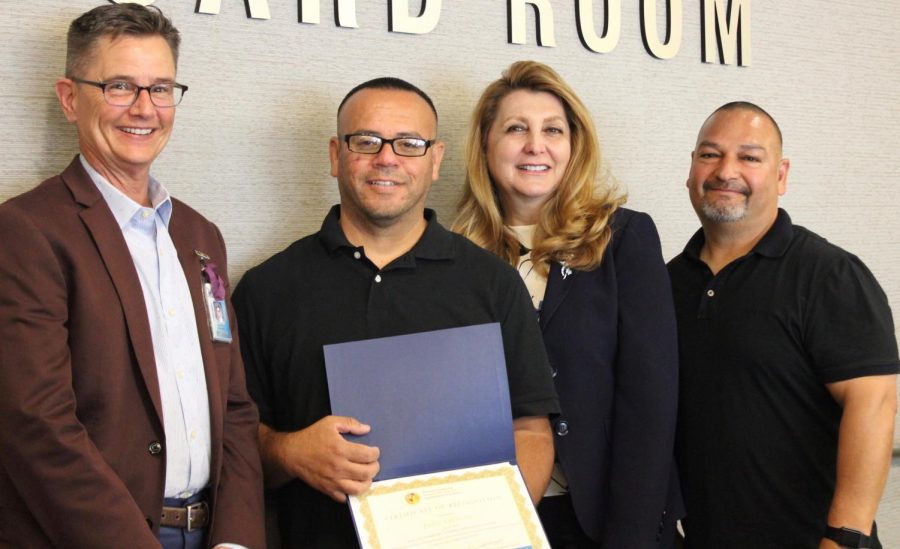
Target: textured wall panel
[250,145]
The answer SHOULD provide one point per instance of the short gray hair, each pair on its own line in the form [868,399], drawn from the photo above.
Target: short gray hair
[115,20]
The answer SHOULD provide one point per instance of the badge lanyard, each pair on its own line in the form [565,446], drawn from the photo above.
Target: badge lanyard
[214,300]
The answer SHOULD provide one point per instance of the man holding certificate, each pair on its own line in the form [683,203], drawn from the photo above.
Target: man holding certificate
[380,266]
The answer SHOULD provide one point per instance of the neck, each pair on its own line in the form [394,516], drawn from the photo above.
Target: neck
[523,216]
[725,242]
[521,211]
[135,184]
[383,243]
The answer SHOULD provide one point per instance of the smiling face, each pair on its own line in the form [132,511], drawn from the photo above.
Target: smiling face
[121,141]
[528,148]
[737,172]
[384,189]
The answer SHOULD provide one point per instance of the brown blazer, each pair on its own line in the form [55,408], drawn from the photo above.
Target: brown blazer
[79,396]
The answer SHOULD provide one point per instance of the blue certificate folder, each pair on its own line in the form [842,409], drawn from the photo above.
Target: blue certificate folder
[436,401]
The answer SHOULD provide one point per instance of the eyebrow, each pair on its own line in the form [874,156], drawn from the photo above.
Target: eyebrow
[122,77]
[374,133]
[518,117]
[743,146]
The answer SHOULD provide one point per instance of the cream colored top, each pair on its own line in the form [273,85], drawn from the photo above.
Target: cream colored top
[536,283]
[537,286]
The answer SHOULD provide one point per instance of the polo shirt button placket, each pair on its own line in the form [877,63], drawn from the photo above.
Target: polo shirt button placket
[706,300]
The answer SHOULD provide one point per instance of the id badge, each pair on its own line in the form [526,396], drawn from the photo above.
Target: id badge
[216,315]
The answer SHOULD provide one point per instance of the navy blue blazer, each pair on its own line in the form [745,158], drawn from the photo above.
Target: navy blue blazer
[610,334]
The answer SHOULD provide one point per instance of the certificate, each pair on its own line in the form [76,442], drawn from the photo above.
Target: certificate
[438,403]
[484,507]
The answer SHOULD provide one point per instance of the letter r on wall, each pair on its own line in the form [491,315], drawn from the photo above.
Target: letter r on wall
[543,21]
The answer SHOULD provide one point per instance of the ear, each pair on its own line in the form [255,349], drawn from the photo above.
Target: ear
[782,175]
[334,149]
[437,154]
[65,92]
[687,182]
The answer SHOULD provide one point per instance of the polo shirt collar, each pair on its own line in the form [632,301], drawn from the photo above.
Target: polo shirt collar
[773,244]
[435,243]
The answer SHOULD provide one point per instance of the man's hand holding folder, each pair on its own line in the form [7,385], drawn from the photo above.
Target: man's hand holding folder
[321,457]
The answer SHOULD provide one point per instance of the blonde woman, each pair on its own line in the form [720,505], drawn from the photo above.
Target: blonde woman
[598,281]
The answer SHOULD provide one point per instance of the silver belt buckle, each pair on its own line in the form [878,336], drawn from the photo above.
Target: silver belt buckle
[198,511]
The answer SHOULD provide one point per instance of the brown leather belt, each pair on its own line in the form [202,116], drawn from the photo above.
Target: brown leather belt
[192,517]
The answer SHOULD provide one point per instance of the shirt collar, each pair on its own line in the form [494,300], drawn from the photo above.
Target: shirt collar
[524,234]
[435,243]
[124,208]
[773,244]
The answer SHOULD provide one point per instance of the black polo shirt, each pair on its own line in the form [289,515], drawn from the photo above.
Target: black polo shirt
[323,290]
[759,341]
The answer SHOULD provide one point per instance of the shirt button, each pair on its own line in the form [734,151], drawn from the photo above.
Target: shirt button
[377,278]
[356,254]
[710,293]
[145,214]
[171,312]
[179,374]
[155,448]
[193,434]
[562,428]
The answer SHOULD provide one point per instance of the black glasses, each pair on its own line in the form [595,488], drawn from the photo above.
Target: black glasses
[121,93]
[402,146]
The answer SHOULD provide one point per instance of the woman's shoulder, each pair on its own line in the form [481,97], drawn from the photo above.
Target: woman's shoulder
[626,220]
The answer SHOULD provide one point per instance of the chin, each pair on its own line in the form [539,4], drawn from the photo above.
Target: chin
[723,214]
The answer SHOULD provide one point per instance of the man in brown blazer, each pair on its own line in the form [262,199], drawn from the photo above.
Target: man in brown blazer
[124,416]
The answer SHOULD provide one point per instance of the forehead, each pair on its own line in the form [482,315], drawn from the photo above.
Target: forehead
[530,102]
[387,111]
[738,127]
[132,54]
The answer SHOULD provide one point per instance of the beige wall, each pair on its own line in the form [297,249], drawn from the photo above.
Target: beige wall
[250,145]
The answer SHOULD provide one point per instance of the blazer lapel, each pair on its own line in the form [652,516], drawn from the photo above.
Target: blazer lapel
[185,244]
[557,289]
[114,252]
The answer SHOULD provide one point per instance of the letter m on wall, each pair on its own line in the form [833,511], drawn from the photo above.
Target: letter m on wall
[726,31]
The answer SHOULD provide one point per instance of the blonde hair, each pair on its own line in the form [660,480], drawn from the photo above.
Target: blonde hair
[574,223]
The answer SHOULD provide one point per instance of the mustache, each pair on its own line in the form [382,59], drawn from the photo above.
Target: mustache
[732,186]
[384,173]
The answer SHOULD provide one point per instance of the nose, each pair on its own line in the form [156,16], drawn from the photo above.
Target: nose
[386,156]
[534,142]
[142,105]
[728,168]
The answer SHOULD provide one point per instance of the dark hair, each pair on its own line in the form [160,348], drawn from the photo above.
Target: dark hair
[114,20]
[748,106]
[388,83]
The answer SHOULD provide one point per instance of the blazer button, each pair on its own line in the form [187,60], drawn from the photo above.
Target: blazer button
[155,448]
[562,427]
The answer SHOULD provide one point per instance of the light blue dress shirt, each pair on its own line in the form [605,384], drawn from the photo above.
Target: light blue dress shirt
[173,328]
